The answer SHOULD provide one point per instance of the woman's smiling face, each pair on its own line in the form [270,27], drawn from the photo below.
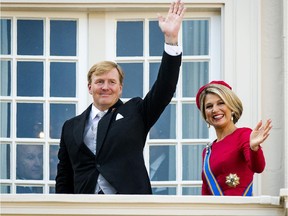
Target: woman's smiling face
[217,112]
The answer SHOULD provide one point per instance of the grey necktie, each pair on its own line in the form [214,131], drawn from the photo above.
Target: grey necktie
[90,138]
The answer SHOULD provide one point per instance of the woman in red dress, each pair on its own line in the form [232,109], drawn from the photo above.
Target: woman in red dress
[231,160]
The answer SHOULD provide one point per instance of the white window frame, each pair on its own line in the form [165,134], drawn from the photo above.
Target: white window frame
[104,43]
[81,93]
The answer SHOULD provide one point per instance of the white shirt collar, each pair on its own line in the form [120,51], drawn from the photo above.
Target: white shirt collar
[94,111]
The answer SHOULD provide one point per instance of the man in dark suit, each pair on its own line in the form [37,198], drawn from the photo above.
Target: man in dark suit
[108,158]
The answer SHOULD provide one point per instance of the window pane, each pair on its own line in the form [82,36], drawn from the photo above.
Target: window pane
[29,189]
[30,36]
[52,190]
[162,163]
[27,71]
[5,36]
[29,161]
[191,191]
[29,126]
[53,161]
[5,75]
[165,127]
[133,83]
[156,39]
[129,38]
[59,113]
[5,119]
[194,127]
[5,189]
[195,37]
[62,79]
[164,190]
[192,161]
[5,161]
[195,74]
[63,38]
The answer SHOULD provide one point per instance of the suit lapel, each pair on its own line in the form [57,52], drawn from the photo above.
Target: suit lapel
[79,126]
[103,125]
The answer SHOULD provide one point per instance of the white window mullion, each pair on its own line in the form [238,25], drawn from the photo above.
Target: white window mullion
[82,66]
[46,103]
[13,101]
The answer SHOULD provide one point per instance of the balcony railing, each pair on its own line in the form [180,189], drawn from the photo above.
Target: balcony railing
[128,205]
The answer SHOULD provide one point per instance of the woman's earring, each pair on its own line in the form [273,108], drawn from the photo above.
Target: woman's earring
[208,125]
[232,116]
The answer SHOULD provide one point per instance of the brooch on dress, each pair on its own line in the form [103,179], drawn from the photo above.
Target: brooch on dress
[232,180]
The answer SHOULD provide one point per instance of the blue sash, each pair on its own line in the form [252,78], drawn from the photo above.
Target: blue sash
[248,190]
[211,180]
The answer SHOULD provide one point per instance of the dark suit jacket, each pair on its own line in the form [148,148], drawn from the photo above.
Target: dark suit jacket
[120,143]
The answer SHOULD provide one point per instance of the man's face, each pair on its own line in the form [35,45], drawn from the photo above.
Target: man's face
[105,89]
[30,162]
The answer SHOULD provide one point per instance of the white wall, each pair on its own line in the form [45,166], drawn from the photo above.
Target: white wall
[272,105]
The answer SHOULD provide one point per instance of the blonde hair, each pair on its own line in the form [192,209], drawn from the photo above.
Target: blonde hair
[227,95]
[104,67]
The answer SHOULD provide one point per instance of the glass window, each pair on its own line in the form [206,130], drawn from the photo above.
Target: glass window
[63,35]
[59,113]
[156,39]
[129,38]
[63,79]
[194,127]
[192,161]
[40,58]
[27,71]
[5,37]
[28,189]
[133,82]
[164,190]
[52,190]
[29,126]
[5,75]
[30,37]
[5,189]
[195,75]
[196,37]
[162,160]
[5,155]
[191,191]
[5,119]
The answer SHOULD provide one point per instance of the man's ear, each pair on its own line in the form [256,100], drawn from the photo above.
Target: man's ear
[120,92]
[89,89]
